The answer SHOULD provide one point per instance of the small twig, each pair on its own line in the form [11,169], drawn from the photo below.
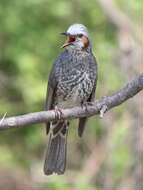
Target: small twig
[3,118]
[103,110]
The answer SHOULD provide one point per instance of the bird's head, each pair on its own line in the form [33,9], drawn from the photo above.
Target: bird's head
[77,36]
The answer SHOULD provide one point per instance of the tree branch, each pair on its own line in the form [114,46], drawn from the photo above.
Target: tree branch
[108,102]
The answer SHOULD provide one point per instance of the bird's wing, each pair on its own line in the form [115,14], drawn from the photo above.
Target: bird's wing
[49,103]
[53,82]
[51,92]
[82,121]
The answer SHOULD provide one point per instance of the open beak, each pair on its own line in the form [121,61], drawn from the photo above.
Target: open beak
[69,39]
[67,43]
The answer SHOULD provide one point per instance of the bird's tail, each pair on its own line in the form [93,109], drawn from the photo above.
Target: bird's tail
[55,161]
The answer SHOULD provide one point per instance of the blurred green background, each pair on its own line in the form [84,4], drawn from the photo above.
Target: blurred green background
[110,155]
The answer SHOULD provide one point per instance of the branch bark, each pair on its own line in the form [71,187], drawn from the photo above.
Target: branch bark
[108,102]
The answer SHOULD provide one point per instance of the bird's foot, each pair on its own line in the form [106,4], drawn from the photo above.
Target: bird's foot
[103,110]
[58,113]
[85,105]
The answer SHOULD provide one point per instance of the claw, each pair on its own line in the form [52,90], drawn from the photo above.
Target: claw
[58,113]
[85,105]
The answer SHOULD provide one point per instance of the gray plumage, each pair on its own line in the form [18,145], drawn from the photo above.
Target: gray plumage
[72,82]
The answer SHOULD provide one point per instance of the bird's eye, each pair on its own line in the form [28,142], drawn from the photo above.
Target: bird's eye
[80,35]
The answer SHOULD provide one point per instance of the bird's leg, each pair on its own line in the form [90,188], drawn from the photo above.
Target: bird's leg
[58,113]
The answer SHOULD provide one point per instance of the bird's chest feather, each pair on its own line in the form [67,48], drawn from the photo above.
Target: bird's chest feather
[76,81]
[73,92]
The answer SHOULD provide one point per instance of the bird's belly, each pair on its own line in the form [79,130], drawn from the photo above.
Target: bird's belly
[73,95]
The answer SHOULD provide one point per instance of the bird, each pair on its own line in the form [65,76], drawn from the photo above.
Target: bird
[72,82]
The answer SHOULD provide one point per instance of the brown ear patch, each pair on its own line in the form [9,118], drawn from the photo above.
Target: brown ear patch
[85,41]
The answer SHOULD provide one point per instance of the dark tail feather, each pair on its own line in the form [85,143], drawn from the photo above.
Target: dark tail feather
[47,127]
[81,126]
[55,161]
